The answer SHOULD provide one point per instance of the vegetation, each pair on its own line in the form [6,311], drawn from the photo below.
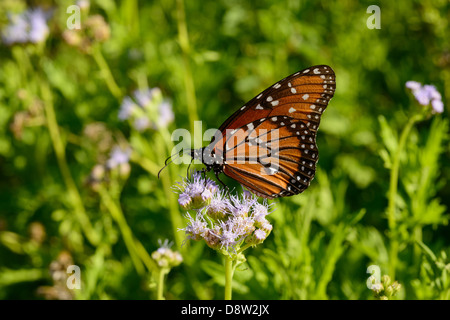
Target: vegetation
[86,123]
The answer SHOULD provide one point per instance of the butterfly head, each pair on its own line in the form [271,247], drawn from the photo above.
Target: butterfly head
[197,154]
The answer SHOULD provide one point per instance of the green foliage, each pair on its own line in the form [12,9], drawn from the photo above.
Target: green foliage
[381,193]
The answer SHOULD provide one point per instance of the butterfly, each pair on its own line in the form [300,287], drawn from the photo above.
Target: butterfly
[269,144]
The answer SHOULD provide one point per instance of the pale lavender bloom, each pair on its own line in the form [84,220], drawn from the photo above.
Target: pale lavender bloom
[140,107]
[144,96]
[244,225]
[126,108]
[38,26]
[197,191]
[142,123]
[260,235]
[413,85]
[196,228]
[438,106]
[230,235]
[28,26]
[219,206]
[261,209]
[184,200]
[422,97]
[17,30]
[240,206]
[166,115]
[223,221]
[118,156]
[426,94]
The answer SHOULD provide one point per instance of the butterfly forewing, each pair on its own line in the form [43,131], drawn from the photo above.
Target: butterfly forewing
[269,144]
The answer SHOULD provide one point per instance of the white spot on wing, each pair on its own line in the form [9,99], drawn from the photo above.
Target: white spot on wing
[291,110]
[305,96]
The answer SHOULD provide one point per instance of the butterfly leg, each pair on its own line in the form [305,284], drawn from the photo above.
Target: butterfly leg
[217,176]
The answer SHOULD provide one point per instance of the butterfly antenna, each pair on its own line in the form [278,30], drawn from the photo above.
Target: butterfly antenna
[167,162]
[187,171]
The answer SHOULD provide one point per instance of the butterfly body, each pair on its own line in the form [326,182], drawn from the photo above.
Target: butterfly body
[269,144]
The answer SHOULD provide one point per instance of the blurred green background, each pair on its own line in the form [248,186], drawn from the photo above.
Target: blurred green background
[59,105]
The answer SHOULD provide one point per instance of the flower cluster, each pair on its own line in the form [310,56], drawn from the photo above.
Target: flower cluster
[28,26]
[165,257]
[59,276]
[223,221]
[426,94]
[94,30]
[118,156]
[147,110]
[386,289]
[117,165]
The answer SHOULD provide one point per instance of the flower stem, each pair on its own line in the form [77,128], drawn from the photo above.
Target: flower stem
[127,234]
[60,153]
[229,271]
[393,188]
[106,73]
[183,38]
[160,290]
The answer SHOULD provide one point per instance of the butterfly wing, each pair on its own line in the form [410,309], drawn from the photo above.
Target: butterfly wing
[269,144]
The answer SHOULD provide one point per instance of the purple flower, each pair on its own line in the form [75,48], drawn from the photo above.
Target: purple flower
[17,30]
[426,94]
[184,200]
[241,205]
[28,26]
[223,221]
[413,85]
[38,26]
[147,109]
[438,106]
[259,235]
[142,123]
[144,97]
[196,192]
[166,257]
[196,228]
[166,115]
[219,206]
[126,108]
[230,234]
[118,157]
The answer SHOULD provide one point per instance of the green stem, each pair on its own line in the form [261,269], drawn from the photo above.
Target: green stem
[117,214]
[60,153]
[183,38]
[160,289]
[393,188]
[106,73]
[229,271]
